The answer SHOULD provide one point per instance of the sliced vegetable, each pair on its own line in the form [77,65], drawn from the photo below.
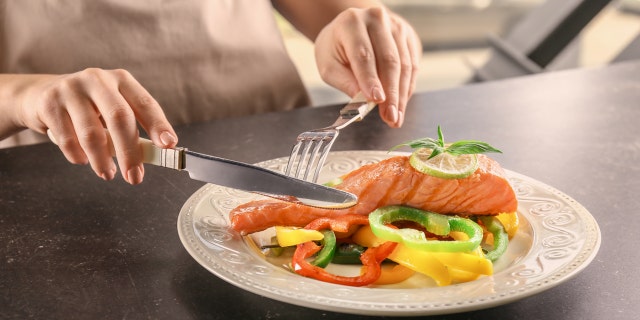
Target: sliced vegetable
[443,267]
[500,237]
[274,249]
[365,237]
[465,262]
[510,222]
[371,260]
[393,273]
[445,261]
[435,223]
[325,255]
[460,276]
[422,261]
[348,253]
[444,165]
[342,224]
[288,236]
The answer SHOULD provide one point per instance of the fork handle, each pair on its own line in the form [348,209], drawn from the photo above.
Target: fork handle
[358,108]
[168,158]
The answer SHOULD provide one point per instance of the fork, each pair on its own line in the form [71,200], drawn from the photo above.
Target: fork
[312,147]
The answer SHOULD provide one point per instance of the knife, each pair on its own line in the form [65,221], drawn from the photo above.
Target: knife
[242,176]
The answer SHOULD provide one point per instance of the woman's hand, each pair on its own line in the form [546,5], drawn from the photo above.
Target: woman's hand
[374,51]
[78,107]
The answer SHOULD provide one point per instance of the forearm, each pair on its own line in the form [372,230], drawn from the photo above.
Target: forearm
[310,16]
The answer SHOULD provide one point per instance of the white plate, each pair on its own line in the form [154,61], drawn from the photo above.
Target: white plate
[557,239]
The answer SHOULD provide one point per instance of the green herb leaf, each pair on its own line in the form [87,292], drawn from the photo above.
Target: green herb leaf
[440,137]
[470,147]
[457,148]
[420,143]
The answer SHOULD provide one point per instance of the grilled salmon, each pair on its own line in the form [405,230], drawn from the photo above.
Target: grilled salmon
[392,182]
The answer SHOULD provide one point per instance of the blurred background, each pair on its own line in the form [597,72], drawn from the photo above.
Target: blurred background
[457,36]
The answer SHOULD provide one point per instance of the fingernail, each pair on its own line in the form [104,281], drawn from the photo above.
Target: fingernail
[392,114]
[109,174]
[134,175]
[377,94]
[168,139]
[400,119]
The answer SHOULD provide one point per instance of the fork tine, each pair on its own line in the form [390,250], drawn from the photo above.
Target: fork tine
[323,157]
[292,158]
[303,158]
[312,158]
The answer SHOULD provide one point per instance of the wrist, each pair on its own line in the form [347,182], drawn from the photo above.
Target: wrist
[14,114]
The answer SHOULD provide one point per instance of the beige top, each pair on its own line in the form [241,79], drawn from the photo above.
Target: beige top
[201,59]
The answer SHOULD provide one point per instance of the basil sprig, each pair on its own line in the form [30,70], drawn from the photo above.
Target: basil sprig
[457,148]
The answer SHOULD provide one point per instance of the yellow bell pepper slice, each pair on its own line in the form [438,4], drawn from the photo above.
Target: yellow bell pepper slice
[443,267]
[510,222]
[289,236]
[460,276]
[365,237]
[421,261]
[393,273]
[465,262]
[414,259]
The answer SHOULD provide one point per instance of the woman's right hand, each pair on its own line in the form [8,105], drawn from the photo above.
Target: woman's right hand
[78,107]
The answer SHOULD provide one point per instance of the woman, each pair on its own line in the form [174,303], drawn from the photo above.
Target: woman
[77,67]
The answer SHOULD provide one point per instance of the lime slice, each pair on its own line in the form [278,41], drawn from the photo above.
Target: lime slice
[444,165]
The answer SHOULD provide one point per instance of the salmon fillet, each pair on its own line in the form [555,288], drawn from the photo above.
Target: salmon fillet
[392,182]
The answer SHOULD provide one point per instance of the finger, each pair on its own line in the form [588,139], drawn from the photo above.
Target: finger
[415,50]
[360,56]
[388,63]
[67,141]
[407,76]
[336,74]
[54,116]
[148,112]
[91,135]
[120,120]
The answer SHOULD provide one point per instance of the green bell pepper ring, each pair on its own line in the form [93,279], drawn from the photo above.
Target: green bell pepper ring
[435,223]
[325,255]
[328,226]
[348,253]
[500,238]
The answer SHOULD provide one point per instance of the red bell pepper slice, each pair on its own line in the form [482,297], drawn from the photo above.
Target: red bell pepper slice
[371,258]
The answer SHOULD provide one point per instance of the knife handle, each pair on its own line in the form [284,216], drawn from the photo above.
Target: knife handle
[151,154]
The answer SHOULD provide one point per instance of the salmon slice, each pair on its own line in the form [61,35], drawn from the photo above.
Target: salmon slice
[392,182]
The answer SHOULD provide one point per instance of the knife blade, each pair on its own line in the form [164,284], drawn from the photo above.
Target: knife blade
[255,179]
[242,176]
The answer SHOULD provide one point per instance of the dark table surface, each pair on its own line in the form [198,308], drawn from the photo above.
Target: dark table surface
[74,246]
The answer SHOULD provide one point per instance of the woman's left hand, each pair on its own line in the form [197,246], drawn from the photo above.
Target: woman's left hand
[371,50]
